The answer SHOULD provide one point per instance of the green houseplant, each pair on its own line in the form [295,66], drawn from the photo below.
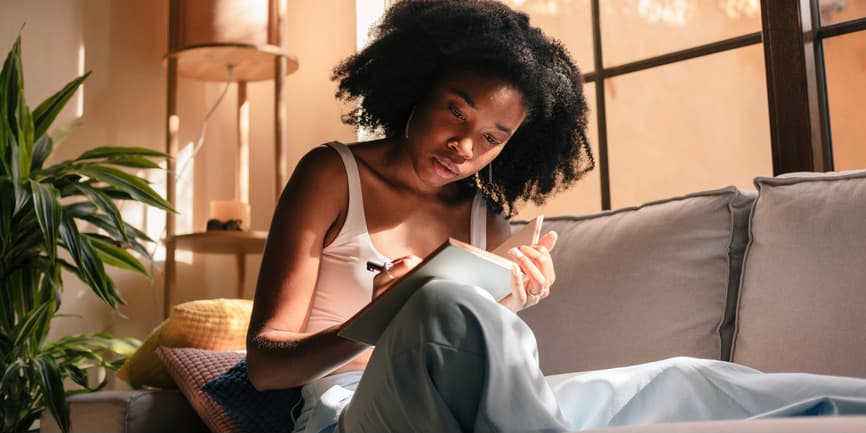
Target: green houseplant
[41,211]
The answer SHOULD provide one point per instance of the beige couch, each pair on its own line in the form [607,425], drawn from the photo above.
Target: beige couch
[772,278]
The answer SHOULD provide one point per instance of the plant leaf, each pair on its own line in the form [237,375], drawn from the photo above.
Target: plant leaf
[48,110]
[6,142]
[7,92]
[25,136]
[135,187]
[12,84]
[17,115]
[120,151]
[30,321]
[9,375]
[88,262]
[106,204]
[46,203]
[133,162]
[118,257]
[95,267]
[52,387]
[6,212]
[41,151]
[133,245]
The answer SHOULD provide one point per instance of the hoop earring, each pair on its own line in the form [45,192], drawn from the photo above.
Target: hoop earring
[490,173]
[408,121]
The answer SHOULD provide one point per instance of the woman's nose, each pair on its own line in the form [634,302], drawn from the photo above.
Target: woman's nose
[462,146]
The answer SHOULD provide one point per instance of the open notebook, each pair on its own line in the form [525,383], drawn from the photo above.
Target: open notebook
[453,260]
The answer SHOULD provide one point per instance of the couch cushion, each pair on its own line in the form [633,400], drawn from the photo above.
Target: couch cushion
[802,305]
[212,324]
[643,283]
[800,424]
[128,411]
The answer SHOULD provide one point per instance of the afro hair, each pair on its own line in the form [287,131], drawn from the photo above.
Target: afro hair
[417,40]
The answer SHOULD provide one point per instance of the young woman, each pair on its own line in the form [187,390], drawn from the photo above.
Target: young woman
[480,111]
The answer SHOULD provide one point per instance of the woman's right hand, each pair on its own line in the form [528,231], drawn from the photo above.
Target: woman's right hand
[393,271]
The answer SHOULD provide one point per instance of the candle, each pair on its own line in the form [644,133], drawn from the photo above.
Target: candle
[227,210]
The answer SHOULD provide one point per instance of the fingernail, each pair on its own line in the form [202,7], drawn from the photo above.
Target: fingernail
[517,252]
[394,262]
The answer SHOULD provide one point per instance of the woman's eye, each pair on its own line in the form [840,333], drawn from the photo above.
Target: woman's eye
[456,112]
[490,139]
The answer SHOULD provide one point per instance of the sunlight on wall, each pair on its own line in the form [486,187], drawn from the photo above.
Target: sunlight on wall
[152,220]
[367,13]
[79,103]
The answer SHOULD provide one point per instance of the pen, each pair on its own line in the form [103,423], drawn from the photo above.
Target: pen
[378,267]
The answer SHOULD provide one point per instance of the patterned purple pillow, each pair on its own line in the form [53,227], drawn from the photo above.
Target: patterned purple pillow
[191,369]
[218,388]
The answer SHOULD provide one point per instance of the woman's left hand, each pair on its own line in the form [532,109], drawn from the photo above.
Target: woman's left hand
[532,275]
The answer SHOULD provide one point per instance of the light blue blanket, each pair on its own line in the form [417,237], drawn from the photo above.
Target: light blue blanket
[690,389]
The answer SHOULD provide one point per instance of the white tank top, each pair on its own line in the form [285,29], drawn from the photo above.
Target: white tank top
[344,285]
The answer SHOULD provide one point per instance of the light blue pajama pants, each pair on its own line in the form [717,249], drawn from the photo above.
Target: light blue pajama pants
[452,360]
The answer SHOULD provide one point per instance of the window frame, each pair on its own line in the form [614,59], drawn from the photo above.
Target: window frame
[792,38]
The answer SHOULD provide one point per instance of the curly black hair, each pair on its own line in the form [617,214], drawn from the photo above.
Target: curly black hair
[414,43]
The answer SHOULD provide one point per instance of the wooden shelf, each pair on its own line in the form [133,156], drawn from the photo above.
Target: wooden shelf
[221,242]
[208,62]
[204,38]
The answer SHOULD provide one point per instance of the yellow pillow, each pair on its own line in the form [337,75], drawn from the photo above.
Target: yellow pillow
[212,324]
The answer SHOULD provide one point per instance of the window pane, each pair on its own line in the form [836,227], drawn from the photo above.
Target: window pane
[637,29]
[570,21]
[688,126]
[837,11]
[585,195]
[845,63]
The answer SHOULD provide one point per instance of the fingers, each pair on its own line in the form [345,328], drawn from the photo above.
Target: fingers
[538,267]
[541,258]
[529,266]
[393,271]
[518,291]
[548,240]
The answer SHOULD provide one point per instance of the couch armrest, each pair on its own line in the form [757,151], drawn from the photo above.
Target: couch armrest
[128,412]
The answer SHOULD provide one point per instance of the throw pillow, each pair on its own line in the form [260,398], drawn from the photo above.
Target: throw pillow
[218,388]
[802,300]
[651,282]
[213,324]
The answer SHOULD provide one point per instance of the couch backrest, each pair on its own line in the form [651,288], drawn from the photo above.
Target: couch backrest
[643,283]
[802,304]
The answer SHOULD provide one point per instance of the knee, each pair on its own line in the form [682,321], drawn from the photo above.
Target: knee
[442,299]
[442,312]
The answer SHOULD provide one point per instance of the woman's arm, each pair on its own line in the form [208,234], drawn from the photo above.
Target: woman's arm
[279,355]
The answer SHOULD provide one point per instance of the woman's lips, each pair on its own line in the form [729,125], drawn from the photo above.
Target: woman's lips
[445,168]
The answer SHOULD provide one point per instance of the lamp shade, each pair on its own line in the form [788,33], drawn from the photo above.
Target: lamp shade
[207,36]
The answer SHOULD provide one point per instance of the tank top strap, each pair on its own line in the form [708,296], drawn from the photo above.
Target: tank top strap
[355,220]
[478,227]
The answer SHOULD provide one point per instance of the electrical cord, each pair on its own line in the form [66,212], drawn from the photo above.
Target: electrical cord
[179,178]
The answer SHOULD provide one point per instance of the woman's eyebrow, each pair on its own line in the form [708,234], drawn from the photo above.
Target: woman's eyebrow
[465,96]
[469,101]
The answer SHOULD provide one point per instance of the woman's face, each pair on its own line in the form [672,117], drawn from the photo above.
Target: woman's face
[462,125]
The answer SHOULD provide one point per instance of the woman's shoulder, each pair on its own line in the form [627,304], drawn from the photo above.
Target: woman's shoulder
[319,171]
[323,160]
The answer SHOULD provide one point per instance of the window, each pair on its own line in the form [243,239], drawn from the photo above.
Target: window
[680,92]
[842,40]
[698,94]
